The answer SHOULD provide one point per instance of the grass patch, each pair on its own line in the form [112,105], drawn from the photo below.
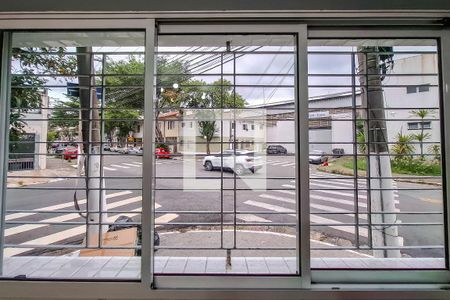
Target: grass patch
[415,167]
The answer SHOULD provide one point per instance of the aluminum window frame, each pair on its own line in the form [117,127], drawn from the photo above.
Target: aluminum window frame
[443,46]
[408,288]
[303,280]
[144,25]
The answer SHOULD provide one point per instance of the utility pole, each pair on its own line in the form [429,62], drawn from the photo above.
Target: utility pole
[91,143]
[381,194]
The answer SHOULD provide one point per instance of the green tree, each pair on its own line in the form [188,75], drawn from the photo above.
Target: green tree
[402,147]
[169,72]
[65,116]
[119,122]
[207,99]
[26,85]
[361,137]
[436,151]
[422,136]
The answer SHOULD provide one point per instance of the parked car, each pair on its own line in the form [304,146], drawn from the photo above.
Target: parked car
[135,151]
[122,150]
[106,148]
[276,149]
[70,153]
[162,153]
[338,152]
[317,157]
[60,148]
[238,161]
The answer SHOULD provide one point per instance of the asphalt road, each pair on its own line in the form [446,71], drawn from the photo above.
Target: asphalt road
[251,201]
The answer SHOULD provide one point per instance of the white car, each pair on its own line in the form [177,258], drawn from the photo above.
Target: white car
[135,151]
[238,161]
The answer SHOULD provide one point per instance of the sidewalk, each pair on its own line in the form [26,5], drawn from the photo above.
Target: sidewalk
[244,239]
[56,167]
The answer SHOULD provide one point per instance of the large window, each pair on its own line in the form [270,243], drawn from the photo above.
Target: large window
[190,167]
[225,198]
[375,186]
[73,197]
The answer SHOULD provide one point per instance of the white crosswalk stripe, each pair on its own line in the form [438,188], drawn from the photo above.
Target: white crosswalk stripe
[52,237]
[109,169]
[131,165]
[331,201]
[60,206]
[119,166]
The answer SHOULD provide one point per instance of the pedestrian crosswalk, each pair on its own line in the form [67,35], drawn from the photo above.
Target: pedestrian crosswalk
[36,228]
[332,203]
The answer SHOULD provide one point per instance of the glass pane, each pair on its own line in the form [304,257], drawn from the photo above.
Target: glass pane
[74,193]
[225,145]
[375,155]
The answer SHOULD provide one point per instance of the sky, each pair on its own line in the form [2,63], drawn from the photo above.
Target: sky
[280,63]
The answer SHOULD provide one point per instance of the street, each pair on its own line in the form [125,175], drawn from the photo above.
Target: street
[183,185]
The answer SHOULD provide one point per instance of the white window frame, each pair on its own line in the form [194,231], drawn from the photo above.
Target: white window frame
[302,184]
[417,276]
[326,284]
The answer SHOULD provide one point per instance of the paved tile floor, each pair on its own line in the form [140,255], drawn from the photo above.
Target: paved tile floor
[69,267]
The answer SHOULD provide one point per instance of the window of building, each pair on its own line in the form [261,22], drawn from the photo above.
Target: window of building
[419,125]
[245,127]
[411,89]
[424,88]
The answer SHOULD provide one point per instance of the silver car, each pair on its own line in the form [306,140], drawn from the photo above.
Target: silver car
[317,157]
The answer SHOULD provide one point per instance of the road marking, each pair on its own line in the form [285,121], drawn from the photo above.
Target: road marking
[431,200]
[285,192]
[62,235]
[337,210]
[165,219]
[109,169]
[313,218]
[333,192]
[349,229]
[63,218]
[288,165]
[278,163]
[60,206]
[282,199]
[252,218]
[275,208]
[136,162]
[118,166]
[340,201]
[131,165]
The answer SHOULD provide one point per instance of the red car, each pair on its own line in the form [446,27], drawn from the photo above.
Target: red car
[70,153]
[162,153]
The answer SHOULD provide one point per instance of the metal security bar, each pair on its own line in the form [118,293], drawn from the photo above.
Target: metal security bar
[87,157]
[207,91]
[368,200]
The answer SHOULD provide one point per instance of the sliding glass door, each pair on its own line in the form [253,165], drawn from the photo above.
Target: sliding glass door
[227,169]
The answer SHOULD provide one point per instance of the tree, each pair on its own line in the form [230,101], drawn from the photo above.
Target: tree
[26,85]
[403,148]
[120,123]
[206,99]
[65,116]
[436,151]
[361,137]
[422,136]
[169,72]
